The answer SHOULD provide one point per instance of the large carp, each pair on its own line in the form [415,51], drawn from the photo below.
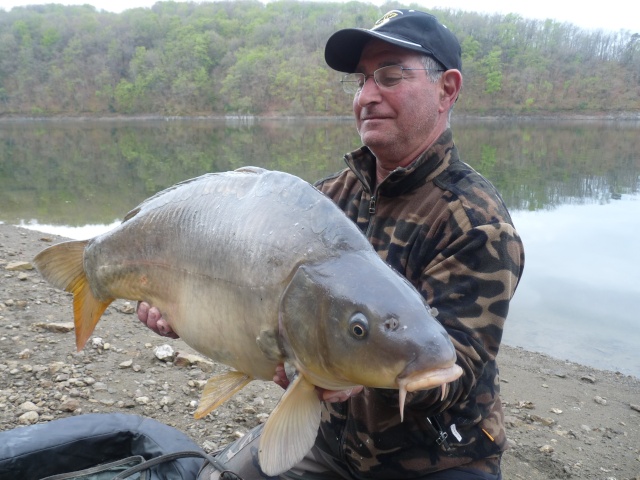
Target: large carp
[253,268]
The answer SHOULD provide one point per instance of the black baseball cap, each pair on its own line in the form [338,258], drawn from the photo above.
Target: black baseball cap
[410,29]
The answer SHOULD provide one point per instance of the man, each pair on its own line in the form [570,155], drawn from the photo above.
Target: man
[446,229]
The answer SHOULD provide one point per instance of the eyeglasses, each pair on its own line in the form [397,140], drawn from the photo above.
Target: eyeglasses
[385,77]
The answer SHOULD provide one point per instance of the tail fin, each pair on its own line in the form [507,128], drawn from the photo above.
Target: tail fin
[62,266]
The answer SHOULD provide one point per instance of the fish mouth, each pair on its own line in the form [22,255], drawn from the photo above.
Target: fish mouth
[425,380]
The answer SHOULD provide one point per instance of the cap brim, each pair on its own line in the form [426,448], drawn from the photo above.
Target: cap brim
[343,49]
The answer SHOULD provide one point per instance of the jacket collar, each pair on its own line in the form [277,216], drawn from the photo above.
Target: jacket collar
[403,179]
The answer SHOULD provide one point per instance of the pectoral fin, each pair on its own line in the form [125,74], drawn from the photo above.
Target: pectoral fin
[268,343]
[219,389]
[291,429]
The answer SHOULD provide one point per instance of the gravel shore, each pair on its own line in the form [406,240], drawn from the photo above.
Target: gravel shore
[564,420]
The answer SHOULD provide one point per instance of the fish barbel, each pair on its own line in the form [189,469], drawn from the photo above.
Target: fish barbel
[254,268]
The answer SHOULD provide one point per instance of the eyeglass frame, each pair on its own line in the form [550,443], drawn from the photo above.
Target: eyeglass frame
[346,84]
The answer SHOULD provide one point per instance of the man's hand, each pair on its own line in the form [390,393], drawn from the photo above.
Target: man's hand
[329,396]
[152,318]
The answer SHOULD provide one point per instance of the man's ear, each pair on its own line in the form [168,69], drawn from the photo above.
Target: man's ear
[451,85]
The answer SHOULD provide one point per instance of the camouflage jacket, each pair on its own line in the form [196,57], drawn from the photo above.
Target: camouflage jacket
[445,228]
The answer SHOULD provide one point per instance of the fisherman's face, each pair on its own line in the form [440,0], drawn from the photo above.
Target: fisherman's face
[397,123]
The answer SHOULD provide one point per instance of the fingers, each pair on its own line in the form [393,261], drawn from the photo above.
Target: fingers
[164,328]
[332,396]
[142,311]
[152,318]
[280,377]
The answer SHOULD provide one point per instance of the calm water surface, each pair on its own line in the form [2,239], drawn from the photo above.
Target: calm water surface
[572,188]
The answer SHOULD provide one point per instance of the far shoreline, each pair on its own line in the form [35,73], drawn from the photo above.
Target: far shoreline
[456,117]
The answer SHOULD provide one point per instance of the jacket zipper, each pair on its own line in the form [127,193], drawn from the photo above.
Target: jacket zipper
[372,211]
[372,205]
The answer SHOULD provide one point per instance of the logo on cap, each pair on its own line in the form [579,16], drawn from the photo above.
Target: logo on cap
[387,16]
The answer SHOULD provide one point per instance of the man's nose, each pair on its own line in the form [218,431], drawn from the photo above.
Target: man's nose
[369,93]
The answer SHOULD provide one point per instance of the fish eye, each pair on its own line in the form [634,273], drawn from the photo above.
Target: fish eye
[359,326]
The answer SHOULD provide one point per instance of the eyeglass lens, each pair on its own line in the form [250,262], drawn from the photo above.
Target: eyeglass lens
[384,77]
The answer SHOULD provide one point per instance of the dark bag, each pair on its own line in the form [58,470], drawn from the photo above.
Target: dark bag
[106,471]
[100,446]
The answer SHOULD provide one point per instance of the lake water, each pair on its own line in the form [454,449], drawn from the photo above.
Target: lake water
[573,189]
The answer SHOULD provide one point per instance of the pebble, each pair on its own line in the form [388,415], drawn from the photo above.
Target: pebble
[58,327]
[126,364]
[199,384]
[599,400]
[164,353]
[28,418]
[15,266]
[187,360]
[70,405]
[126,308]
[547,422]
[526,404]
[512,421]
[24,354]
[29,407]
[209,446]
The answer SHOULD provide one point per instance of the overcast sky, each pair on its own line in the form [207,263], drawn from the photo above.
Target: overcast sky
[612,15]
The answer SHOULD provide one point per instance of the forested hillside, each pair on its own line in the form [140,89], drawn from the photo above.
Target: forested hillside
[250,58]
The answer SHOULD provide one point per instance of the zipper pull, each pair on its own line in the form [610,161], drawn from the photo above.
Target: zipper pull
[442,435]
[442,440]
[372,205]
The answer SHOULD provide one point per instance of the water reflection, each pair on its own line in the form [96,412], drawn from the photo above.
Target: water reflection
[571,187]
[540,165]
[76,173]
[578,298]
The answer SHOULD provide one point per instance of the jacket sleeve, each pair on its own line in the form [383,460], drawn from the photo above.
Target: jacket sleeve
[470,283]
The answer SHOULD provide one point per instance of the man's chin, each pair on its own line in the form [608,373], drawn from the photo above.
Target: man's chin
[374,137]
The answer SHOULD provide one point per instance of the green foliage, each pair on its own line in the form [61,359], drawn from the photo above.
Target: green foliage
[492,69]
[251,58]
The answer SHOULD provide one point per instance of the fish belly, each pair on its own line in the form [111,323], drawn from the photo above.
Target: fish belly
[215,256]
